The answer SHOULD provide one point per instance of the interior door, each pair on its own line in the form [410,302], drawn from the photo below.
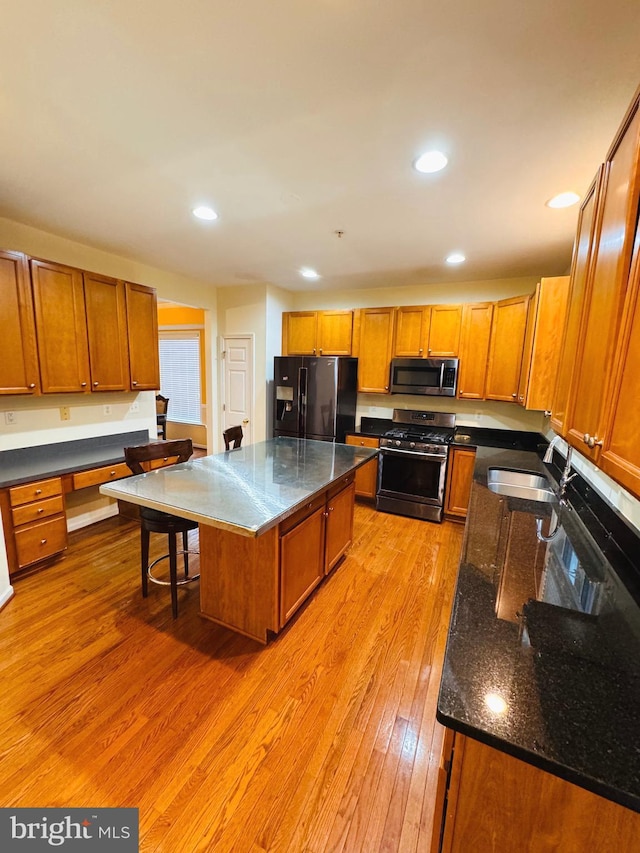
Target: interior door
[238,384]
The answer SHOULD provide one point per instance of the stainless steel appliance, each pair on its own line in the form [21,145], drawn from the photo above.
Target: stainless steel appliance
[315,397]
[431,376]
[413,463]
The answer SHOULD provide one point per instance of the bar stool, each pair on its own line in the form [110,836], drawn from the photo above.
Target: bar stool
[233,434]
[139,459]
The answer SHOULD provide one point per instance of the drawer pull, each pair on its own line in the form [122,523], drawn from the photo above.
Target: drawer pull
[112,473]
[38,491]
[43,541]
[40,509]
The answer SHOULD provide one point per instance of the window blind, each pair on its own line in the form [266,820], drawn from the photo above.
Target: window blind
[180,375]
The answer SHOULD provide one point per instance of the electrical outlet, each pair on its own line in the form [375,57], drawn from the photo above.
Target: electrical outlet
[10,418]
[134,407]
[107,410]
[65,413]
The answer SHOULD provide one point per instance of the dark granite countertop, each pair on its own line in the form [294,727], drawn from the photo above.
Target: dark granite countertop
[26,464]
[543,651]
[465,436]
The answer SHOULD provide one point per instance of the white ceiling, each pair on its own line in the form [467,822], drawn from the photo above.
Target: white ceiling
[297,118]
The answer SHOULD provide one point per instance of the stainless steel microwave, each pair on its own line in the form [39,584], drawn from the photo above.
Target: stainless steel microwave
[424,376]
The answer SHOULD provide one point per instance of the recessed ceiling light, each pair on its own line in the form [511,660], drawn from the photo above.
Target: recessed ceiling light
[563,200]
[204,212]
[306,272]
[456,258]
[430,161]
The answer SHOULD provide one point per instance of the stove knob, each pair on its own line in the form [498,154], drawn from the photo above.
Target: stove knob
[412,444]
[397,444]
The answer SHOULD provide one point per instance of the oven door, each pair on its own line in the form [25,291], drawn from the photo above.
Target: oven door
[418,478]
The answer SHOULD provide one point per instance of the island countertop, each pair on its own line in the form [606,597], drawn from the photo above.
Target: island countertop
[247,490]
[543,652]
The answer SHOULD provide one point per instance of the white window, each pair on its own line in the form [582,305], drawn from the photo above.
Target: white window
[180,375]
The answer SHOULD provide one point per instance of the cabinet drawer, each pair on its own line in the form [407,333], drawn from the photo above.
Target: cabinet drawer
[39,541]
[362,441]
[310,507]
[19,495]
[97,476]
[341,484]
[37,510]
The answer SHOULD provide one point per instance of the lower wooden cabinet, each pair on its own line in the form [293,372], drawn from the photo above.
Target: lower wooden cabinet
[491,802]
[339,529]
[34,521]
[459,480]
[367,474]
[301,562]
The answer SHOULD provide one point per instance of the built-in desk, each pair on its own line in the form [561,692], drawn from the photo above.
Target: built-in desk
[275,518]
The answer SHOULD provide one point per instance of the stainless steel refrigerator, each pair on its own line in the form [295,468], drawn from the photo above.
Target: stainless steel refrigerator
[315,397]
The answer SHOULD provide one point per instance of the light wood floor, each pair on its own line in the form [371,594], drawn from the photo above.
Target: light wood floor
[325,740]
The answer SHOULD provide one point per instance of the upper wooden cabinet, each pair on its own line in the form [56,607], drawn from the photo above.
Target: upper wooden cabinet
[505,350]
[547,312]
[577,285]
[424,331]
[18,353]
[374,349]
[474,350]
[317,332]
[142,327]
[63,350]
[107,331]
[607,278]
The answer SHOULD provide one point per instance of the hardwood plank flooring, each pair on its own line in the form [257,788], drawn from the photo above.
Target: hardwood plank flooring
[325,740]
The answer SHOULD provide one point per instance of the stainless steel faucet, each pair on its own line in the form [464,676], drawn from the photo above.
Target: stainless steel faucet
[548,456]
[567,476]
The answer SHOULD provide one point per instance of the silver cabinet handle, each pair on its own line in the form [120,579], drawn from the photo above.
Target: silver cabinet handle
[43,541]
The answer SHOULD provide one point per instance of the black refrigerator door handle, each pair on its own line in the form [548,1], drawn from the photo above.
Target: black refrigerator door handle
[302,397]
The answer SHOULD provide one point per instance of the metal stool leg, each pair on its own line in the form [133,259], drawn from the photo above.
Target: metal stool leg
[144,559]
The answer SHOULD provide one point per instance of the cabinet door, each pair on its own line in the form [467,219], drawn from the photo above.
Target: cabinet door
[542,352]
[412,331]
[300,330]
[459,479]
[339,533]
[606,285]
[142,334]
[375,348]
[505,349]
[107,331]
[474,350]
[621,451]
[367,474]
[335,329]
[301,563]
[577,286]
[18,353]
[61,324]
[444,333]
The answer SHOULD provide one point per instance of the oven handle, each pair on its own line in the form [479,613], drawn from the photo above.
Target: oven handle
[397,452]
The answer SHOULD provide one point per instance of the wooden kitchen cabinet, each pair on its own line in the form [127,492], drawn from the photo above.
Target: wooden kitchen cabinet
[301,562]
[508,330]
[63,349]
[367,474]
[577,288]
[142,332]
[607,280]
[493,803]
[339,529]
[474,350]
[425,331]
[317,332]
[543,342]
[34,521]
[375,347]
[459,480]
[18,351]
[107,332]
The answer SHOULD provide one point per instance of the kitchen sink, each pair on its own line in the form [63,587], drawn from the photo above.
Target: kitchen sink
[519,484]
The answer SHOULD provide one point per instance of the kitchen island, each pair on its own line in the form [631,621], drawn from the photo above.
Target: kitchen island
[274,519]
[540,690]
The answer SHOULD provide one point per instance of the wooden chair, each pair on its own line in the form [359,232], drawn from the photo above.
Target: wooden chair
[140,460]
[233,434]
[162,406]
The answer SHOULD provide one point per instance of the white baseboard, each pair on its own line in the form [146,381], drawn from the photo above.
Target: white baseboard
[5,596]
[88,518]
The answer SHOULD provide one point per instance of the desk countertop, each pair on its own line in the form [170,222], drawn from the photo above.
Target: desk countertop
[247,490]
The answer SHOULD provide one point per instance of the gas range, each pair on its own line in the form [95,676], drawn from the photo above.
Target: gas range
[420,432]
